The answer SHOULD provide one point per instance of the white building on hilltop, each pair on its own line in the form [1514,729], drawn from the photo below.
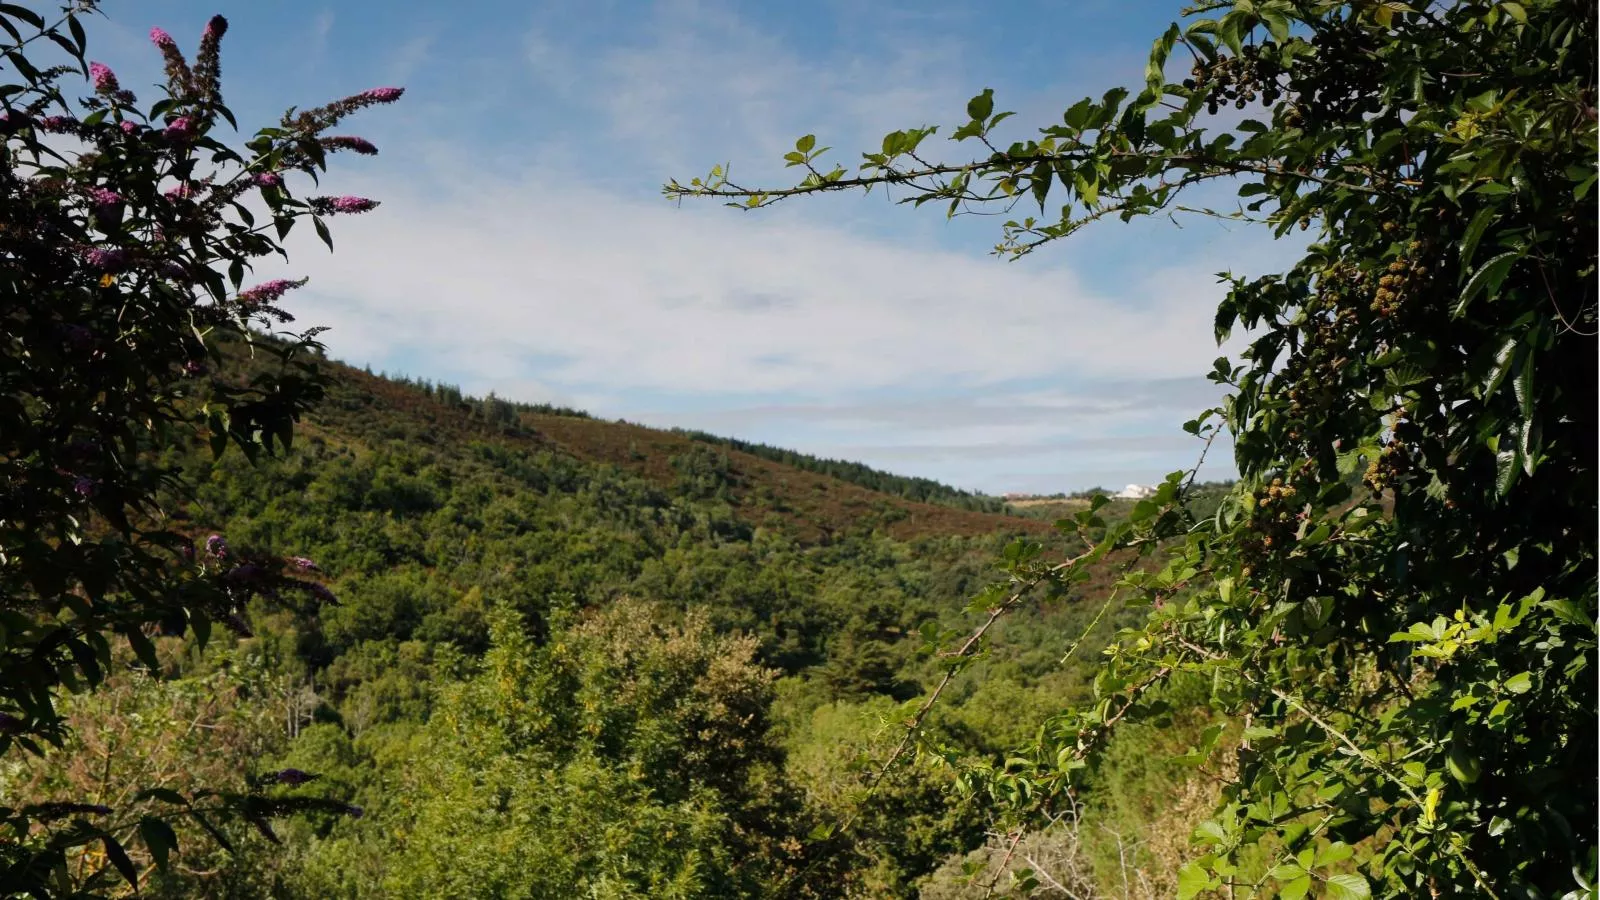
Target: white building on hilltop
[1135,492]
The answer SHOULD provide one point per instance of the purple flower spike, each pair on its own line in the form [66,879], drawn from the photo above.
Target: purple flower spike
[303,564]
[104,197]
[107,259]
[105,80]
[355,812]
[269,291]
[382,94]
[269,179]
[85,486]
[58,124]
[215,29]
[328,205]
[161,39]
[356,144]
[128,127]
[217,546]
[291,776]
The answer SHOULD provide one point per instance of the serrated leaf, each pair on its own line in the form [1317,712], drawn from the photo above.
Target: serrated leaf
[1348,886]
[1210,832]
[1192,879]
[1295,888]
[1338,851]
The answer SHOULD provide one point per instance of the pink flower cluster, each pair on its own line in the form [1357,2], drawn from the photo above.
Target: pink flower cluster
[105,80]
[328,205]
[107,259]
[179,129]
[104,197]
[269,291]
[269,179]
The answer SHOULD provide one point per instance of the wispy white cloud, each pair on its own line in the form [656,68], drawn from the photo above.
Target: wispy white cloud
[832,327]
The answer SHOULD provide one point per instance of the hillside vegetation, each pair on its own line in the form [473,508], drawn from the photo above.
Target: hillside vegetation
[744,632]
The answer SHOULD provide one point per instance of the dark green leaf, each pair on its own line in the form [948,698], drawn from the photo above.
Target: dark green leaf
[119,858]
[1486,279]
[159,838]
[980,107]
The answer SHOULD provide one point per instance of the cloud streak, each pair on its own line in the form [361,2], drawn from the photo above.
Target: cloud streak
[550,269]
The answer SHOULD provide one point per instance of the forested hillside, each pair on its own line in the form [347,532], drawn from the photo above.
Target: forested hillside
[649,663]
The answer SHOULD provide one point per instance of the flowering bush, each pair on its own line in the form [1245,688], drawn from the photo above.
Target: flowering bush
[126,233]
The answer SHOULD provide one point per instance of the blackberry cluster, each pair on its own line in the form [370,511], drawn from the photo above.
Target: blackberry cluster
[1399,282]
[1395,460]
[1275,517]
[1239,80]
[1340,80]
[1329,333]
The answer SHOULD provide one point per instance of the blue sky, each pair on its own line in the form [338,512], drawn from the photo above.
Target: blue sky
[524,247]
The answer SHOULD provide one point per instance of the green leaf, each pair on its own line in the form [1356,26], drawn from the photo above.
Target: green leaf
[1523,387]
[1506,469]
[1520,683]
[981,106]
[1348,886]
[159,838]
[1338,851]
[1474,233]
[805,144]
[322,231]
[1295,888]
[1192,879]
[1486,279]
[1153,73]
[1462,765]
[1515,11]
[119,858]
[1503,360]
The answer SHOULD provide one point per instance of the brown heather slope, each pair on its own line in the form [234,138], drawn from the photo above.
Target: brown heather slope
[811,506]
